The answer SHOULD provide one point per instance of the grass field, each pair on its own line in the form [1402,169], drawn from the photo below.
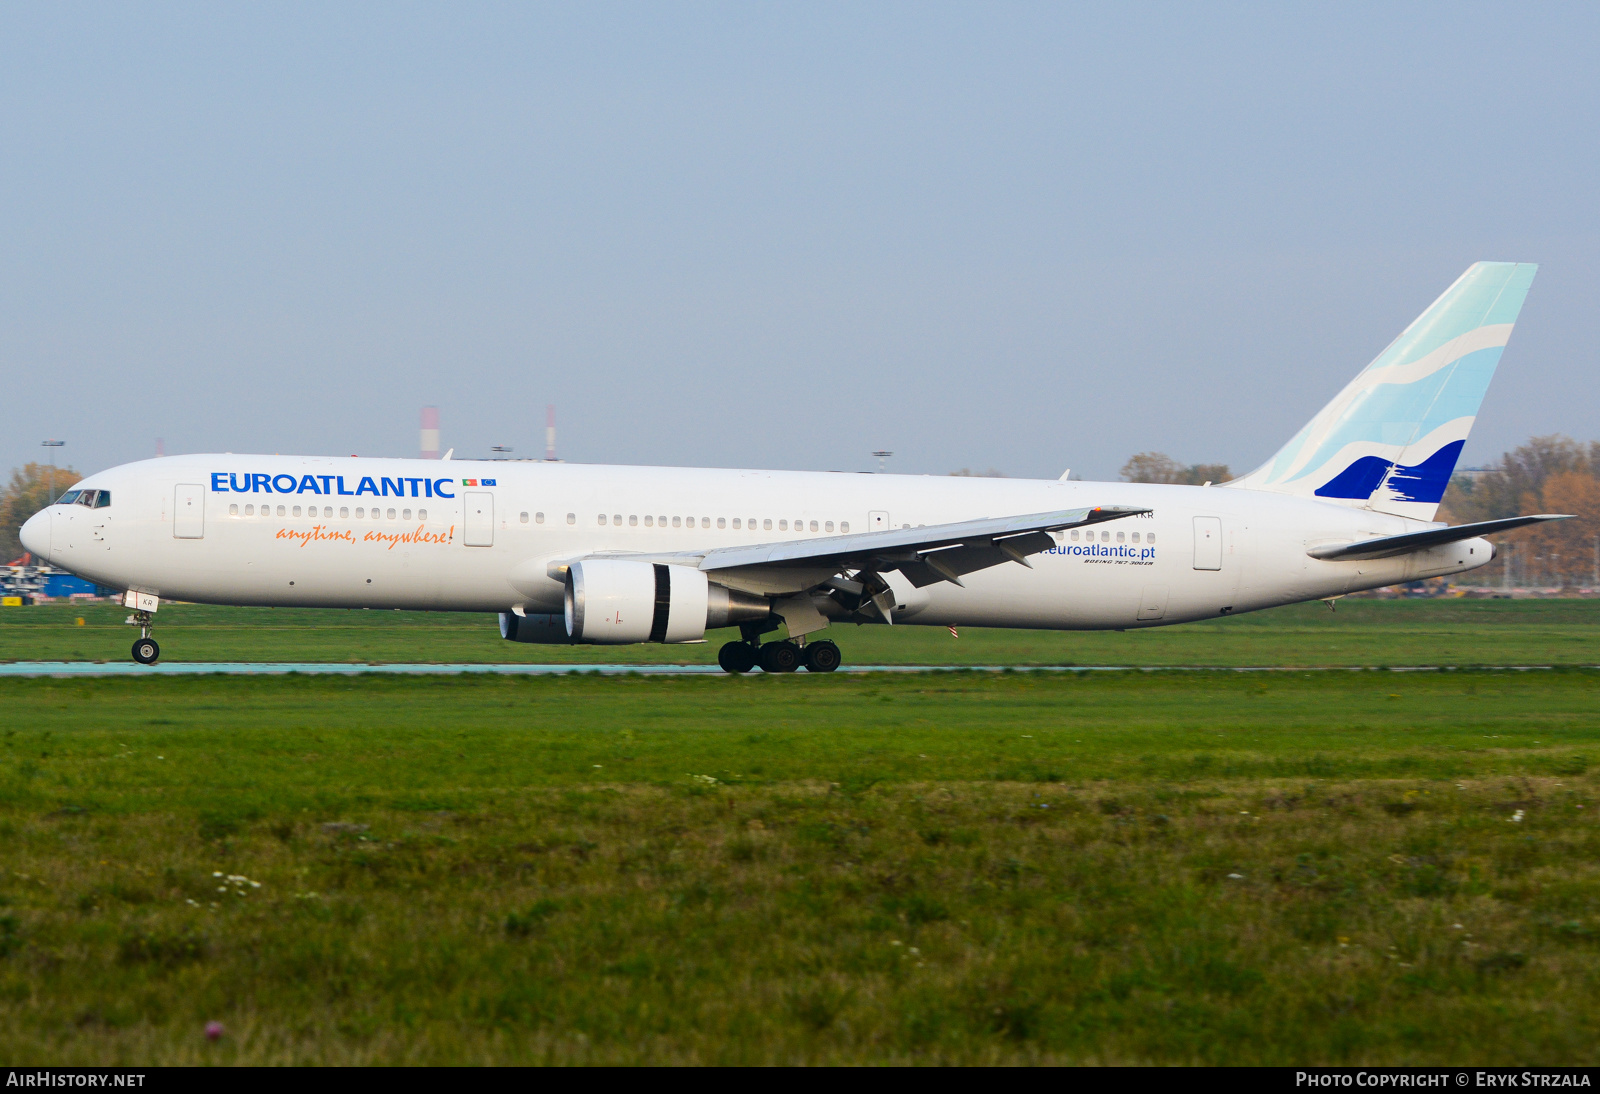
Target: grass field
[1355,867]
[1361,632]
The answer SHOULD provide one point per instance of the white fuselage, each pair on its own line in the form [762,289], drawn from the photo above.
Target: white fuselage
[387,533]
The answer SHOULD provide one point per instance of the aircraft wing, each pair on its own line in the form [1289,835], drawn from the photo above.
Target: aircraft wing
[925,555]
[935,552]
[1389,546]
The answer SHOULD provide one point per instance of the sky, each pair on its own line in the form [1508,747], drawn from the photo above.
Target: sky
[1012,236]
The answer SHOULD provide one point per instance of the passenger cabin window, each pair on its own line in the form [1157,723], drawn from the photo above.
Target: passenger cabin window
[828,526]
[844,526]
[767,524]
[422,514]
[1136,537]
[344,512]
[783,526]
[722,522]
[233,510]
[616,518]
[677,522]
[649,521]
[602,519]
[1150,537]
[69,497]
[736,523]
[633,520]
[538,518]
[813,526]
[524,518]
[572,518]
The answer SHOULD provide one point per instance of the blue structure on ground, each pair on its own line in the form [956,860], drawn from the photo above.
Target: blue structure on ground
[68,585]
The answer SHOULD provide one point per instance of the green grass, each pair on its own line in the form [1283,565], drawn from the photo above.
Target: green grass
[1361,632]
[960,867]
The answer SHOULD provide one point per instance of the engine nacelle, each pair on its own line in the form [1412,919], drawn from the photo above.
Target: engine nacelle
[549,629]
[617,601]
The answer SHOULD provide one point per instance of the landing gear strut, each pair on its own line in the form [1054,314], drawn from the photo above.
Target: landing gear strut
[145,650]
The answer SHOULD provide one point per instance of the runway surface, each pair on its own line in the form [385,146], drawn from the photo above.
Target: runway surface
[280,668]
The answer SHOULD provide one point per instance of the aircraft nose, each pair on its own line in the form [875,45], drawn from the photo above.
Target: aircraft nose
[35,534]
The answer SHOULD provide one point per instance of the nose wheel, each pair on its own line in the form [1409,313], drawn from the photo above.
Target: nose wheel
[145,650]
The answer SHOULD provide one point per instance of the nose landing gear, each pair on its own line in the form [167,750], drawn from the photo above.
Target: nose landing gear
[145,650]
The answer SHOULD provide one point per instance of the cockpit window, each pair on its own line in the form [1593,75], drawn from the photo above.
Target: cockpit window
[103,500]
[69,497]
[87,498]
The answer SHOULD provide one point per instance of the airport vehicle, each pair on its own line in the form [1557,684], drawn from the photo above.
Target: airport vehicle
[598,554]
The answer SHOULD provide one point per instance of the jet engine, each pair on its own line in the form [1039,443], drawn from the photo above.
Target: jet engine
[616,601]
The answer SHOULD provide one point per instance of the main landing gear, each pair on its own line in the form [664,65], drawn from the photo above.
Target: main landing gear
[145,650]
[742,656]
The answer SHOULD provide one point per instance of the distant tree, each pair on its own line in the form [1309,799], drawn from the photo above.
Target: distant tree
[1160,467]
[1552,474]
[965,473]
[28,492]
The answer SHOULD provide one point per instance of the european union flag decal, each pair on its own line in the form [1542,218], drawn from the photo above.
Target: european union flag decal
[486,482]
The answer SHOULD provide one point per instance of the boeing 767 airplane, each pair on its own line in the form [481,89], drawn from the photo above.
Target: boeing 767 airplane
[606,555]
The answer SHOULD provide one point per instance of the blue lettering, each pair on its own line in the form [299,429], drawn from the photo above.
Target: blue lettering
[342,490]
[413,483]
[233,481]
[438,488]
[428,485]
[326,479]
[216,483]
[309,483]
[261,484]
[398,485]
[367,486]
[279,480]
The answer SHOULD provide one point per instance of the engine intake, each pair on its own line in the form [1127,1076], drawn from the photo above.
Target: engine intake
[617,601]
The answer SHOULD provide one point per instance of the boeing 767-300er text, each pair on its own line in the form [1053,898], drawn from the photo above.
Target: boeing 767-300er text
[605,555]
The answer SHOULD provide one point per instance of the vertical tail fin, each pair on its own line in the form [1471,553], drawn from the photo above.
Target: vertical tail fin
[1390,440]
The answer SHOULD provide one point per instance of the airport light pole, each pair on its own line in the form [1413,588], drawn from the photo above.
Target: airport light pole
[52,446]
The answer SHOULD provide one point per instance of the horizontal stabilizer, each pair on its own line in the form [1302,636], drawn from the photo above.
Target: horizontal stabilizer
[1389,546]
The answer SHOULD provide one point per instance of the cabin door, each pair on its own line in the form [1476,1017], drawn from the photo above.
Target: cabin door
[478,525]
[1208,543]
[189,511]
